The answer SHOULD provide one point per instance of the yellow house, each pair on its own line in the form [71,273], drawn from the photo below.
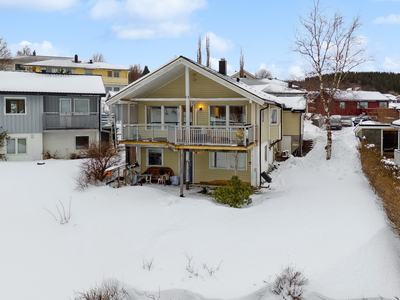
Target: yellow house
[232,128]
[114,77]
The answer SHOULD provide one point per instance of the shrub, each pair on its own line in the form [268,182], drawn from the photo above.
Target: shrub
[109,290]
[48,155]
[3,141]
[384,179]
[290,284]
[100,157]
[235,193]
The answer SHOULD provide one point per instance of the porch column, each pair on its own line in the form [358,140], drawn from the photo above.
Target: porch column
[187,95]
[181,157]
[236,163]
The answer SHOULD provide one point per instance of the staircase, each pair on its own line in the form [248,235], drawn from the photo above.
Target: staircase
[307,146]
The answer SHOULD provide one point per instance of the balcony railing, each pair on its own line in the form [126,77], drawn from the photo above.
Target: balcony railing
[53,120]
[193,135]
[397,156]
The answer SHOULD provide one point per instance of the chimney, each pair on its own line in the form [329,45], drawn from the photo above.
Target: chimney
[222,66]
[34,52]
[290,84]
[90,61]
[76,58]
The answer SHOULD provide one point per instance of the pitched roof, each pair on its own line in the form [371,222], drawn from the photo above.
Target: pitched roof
[297,103]
[30,82]
[176,67]
[34,58]
[351,95]
[71,64]
[271,85]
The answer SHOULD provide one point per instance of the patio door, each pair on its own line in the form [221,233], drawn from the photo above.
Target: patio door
[183,115]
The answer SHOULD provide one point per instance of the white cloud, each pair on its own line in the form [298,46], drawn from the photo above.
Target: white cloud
[392,19]
[144,19]
[219,44]
[44,5]
[45,48]
[392,64]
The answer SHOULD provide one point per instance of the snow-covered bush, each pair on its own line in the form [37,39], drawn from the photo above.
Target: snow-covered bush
[290,284]
[235,193]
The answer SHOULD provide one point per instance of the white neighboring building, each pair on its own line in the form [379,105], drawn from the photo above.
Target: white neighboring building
[49,112]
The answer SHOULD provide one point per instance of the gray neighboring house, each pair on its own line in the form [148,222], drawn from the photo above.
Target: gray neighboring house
[54,112]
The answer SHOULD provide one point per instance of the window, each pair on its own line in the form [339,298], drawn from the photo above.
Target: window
[89,72]
[342,104]
[109,73]
[15,106]
[81,106]
[362,105]
[65,106]
[154,157]
[262,116]
[16,146]
[116,74]
[217,115]
[171,115]
[116,89]
[274,116]
[154,115]
[237,114]
[223,160]
[19,67]
[108,89]
[383,104]
[81,142]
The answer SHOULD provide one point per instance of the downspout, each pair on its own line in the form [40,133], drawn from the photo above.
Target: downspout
[300,136]
[259,144]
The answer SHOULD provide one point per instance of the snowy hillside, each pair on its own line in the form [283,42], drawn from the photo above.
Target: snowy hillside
[318,215]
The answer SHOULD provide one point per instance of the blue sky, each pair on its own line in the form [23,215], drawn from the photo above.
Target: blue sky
[151,32]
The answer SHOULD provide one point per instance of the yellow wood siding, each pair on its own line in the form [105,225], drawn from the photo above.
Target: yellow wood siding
[200,87]
[170,159]
[291,123]
[202,171]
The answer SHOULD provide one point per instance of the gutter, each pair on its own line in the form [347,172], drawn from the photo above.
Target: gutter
[259,144]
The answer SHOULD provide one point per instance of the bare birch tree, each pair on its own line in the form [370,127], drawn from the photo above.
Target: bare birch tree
[5,56]
[199,51]
[241,64]
[208,63]
[24,52]
[331,47]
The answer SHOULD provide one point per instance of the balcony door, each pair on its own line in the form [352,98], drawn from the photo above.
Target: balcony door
[183,115]
[65,112]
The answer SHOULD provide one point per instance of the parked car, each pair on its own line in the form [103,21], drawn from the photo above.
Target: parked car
[336,122]
[360,118]
[346,121]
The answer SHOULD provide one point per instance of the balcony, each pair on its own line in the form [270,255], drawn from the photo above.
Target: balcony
[55,121]
[190,136]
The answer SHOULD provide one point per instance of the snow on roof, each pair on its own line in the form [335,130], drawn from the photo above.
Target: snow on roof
[391,97]
[396,123]
[351,95]
[294,103]
[394,105]
[70,63]
[20,81]
[35,58]
[270,85]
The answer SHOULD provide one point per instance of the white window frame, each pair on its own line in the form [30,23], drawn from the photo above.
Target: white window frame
[227,160]
[277,116]
[76,146]
[228,114]
[16,146]
[70,105]
[359,105]
[14,98]
[116,74]
[383,104]
[88,106]
[147,157]
[162,125]
[342,105]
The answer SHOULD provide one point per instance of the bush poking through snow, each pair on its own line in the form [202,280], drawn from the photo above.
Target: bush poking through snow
[235,193]
[64,216]
[147,264]
[100,157]
[290,284]
[109,290]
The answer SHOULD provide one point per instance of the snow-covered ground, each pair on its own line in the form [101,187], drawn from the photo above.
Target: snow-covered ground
[319,215]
